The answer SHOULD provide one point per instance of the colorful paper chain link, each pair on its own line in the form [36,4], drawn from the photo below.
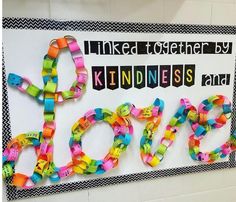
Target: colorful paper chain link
[119,121]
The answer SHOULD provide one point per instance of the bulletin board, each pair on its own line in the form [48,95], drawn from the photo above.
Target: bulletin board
[126,62]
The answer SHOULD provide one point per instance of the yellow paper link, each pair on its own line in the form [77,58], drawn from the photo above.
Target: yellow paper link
[115,152]
[82,165]
[169,135]
[44,72]
[34,135]
[78,169]
[192,115]
[147,112]
[80,127]
[111,119]
[23,140]
[154,162]
[54,72]
[75,127]
[151,126]
[39,168]
[86,159]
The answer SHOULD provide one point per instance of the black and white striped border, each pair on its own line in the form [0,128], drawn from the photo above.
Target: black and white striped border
[46,24]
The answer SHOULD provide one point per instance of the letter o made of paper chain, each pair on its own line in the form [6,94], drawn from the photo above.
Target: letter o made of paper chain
[123,131]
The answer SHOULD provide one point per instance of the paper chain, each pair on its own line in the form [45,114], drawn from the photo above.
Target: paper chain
[119,121]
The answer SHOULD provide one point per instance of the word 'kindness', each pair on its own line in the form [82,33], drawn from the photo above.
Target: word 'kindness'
[152,76]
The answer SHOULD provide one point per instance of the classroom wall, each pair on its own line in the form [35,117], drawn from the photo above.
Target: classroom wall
[205,187]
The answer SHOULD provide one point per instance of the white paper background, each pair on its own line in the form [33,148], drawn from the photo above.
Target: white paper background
[24,51]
